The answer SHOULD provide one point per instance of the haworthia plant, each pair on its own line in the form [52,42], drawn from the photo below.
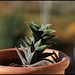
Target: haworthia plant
[36,44]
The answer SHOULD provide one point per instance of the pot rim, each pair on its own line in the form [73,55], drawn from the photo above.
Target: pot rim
[61,61]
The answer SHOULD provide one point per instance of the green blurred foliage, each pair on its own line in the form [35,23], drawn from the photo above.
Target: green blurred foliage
[12,29]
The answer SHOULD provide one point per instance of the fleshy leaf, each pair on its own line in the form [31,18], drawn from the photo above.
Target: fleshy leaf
[36,38]
[48,31]
[25,51]
[31,25]
[41,48]
[49,37]
[34,23]
[37,44]
[45,27]
[30,56]
[32,39]
[27,40]
[21,57]
[33,31]
[29,50]
[26,44]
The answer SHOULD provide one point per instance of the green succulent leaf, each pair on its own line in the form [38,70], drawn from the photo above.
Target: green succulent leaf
[32,39]
[41,48]
[34,23]
[26,44]
[31,25]
[36,38]
[25,51]
[33,31]
[29,50]
[37,44]
[21,57]
[43,27]
[48,37]
[27,40]
[30,56]
[48,31]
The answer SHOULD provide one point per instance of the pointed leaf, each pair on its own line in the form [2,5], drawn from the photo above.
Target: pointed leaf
[45,27]
[34,23]
[21,57]
[48,31]
[37,44]
[48,37]
[31,25]
[25,51]
[27,40]
[29,50]
[36,38]
[33,30]
[26,44]
[32,39]
[37,32]
[30,56]
[41,48]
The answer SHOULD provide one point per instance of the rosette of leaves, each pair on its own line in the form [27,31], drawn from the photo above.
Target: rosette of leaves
[36,45]
[31,53]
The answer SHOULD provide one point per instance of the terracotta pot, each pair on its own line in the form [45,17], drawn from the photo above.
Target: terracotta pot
[9,55]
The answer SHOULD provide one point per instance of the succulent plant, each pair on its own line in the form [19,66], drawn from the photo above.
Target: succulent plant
[36,44]
[41,32]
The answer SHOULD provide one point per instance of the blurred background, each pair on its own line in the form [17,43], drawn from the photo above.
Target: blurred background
[61,14]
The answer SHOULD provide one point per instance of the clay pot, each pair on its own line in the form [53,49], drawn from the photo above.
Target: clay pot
[8,56]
